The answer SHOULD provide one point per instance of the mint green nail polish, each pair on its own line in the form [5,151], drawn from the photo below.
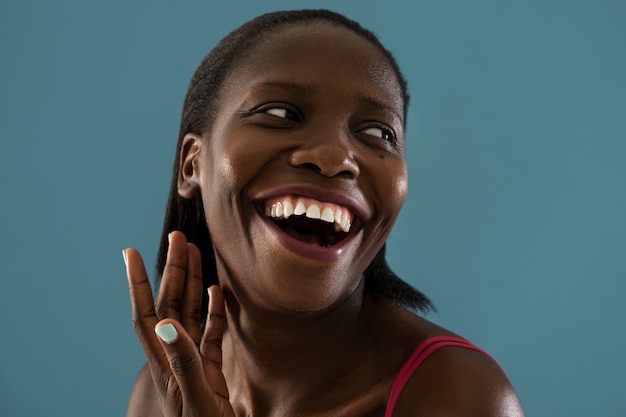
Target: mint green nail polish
[167,333]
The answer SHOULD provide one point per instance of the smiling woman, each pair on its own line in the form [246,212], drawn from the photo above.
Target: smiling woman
[289,176]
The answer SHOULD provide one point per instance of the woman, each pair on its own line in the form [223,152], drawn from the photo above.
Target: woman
[290,173]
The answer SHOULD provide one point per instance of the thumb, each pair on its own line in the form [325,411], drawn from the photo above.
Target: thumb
[184,359]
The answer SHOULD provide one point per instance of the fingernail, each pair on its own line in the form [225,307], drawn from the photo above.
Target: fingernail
[169,237]
[167,333]
[125,257]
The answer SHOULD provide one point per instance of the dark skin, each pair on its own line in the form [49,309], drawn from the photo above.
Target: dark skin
[312,110]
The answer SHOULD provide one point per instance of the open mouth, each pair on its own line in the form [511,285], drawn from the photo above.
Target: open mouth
[309,220]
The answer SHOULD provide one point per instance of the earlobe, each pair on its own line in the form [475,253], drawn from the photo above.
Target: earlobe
[188,175]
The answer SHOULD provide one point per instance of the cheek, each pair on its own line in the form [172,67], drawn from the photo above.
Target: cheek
[390,184]
[401,186]
[230,166]
[218,183]
[393,186]
[226,166]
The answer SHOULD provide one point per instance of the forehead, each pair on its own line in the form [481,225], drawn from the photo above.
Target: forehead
[323,54]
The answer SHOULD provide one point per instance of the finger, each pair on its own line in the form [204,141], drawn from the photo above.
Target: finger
[211,345]
[143,315]
[192,297]
[169,300]
[184,360]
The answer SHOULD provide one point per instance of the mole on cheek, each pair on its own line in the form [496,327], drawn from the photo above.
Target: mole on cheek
[381,156]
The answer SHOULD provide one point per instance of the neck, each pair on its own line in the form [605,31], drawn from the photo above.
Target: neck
[266,351]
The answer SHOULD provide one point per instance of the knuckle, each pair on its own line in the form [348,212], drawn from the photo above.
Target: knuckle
[217,324]
[196,277]
[139,323]
[166,308]
[175,266]
[194,313]
[182,365]
[216,341]
[216,362]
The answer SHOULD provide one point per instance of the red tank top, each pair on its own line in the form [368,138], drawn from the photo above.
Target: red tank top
[423,351]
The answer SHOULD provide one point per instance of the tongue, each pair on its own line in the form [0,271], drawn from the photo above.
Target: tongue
[314,232]
[311,238]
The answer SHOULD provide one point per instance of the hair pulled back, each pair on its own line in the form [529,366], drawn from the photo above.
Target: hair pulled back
[199,111]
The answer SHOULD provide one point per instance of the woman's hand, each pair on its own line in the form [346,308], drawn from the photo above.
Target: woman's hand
[185,363]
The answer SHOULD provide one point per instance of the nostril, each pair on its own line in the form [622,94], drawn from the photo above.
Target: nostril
[325,159]
[312,166]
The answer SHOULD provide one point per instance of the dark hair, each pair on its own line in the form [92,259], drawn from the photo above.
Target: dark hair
[199,110]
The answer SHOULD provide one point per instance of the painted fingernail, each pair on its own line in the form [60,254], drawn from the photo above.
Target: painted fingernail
[125,257]
[167,333]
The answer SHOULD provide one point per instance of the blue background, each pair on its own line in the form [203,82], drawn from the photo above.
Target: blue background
[514,226]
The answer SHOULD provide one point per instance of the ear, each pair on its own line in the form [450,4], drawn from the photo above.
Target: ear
[189,172]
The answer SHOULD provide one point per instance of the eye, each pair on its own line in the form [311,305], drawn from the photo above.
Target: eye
[381,133]
[282,112]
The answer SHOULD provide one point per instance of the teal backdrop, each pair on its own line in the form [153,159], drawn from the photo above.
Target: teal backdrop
[514,226]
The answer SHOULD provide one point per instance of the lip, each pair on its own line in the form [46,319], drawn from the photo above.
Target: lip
[307,250]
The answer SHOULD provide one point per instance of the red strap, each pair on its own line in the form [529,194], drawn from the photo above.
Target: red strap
[423,351]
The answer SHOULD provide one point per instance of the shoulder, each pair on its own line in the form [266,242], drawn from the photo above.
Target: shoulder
[458,382]
[452,381]
[144,400]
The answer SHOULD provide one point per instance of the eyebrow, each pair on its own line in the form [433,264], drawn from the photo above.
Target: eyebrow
[304,89]
[381,106]
[298,88]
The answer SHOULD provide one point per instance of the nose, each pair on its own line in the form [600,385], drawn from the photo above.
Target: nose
[326,158]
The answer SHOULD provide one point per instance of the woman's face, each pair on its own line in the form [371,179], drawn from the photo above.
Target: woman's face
[303,172]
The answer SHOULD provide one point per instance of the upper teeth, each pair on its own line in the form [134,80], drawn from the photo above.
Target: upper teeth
[285,207]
